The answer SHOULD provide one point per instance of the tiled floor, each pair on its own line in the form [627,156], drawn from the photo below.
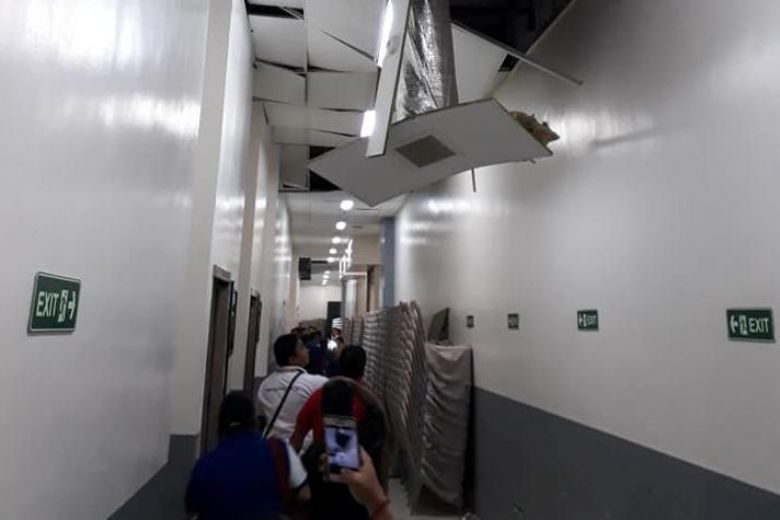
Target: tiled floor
[401,509]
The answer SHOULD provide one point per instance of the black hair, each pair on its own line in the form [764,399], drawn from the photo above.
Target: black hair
[284,348]
[352,362]
[236,414]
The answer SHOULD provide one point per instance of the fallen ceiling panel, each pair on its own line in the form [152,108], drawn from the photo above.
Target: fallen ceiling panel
[279,40]
[342,90]
[285,135]
[325,52]
[477,63]
[279,84]
[356,22]
[428,148]
[294,116]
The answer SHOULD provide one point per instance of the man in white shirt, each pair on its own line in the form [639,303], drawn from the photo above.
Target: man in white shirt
[284,392]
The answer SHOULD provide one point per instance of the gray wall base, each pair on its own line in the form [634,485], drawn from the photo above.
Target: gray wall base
[162,497]
[550,468]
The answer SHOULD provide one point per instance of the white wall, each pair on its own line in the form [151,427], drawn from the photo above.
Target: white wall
[313,300]
[234,151]
[261,172]
[278,281]
[659,208]
[100,103]
[214,186]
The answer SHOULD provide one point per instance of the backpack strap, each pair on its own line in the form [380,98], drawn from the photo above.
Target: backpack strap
[270,425]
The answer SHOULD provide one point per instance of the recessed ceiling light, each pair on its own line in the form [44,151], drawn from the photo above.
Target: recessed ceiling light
[341,225]
[336,240]
[333,251]
[347,204]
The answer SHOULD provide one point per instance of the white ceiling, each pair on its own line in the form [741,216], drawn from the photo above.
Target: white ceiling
[313,218]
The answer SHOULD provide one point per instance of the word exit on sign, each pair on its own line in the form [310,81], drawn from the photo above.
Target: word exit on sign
[55,304]
[750,324]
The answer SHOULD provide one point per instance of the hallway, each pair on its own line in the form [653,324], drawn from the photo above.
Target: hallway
[551,225]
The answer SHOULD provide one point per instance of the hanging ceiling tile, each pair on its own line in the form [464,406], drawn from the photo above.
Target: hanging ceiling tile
[274,83]
[342,90]
[279,40]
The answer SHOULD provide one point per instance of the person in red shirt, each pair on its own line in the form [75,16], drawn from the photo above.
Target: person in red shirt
[352,365]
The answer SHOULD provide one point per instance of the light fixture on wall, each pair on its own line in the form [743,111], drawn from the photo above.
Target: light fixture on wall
[347,205]
[331,260]
[333,251]
[336,240]
[341,225]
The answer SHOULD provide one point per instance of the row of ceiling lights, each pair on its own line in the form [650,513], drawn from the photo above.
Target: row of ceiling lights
[345,205]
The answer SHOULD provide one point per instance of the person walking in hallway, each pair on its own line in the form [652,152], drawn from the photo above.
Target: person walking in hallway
[352,365]
[284,392]
[246,477]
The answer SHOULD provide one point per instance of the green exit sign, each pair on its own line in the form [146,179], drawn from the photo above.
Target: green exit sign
[750,324]
[55,303]
[588,319]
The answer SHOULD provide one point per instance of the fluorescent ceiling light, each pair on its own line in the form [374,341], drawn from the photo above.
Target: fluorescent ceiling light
[336,240]
[384,35]
[347,204]
[341,225]
[333,251]
[369,122]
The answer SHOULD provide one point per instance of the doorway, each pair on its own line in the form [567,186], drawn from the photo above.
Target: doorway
[217,356]
[334,311]
[253,338]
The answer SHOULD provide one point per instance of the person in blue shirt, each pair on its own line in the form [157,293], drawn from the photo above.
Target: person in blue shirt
[313,342]
[246,477]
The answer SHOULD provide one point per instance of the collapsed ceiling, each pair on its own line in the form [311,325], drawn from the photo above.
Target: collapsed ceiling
[316,69]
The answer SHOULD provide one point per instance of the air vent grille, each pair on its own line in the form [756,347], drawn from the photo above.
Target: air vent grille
[425,151]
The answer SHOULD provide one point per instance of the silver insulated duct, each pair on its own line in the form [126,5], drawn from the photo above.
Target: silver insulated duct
[427,78]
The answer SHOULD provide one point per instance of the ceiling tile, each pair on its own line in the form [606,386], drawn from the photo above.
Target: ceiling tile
[279,40]
[294,116]
[344,90]
[476,65]
[478,134]
[279,84]
[326,52]
[357,22]
[298,4]
[286,135]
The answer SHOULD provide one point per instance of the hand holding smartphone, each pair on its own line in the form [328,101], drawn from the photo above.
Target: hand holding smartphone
[341,443]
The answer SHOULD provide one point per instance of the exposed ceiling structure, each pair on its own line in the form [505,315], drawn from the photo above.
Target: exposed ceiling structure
[316,75]
[316,72]
[517,23]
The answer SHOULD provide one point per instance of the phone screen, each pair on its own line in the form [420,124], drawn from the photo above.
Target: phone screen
[341,443]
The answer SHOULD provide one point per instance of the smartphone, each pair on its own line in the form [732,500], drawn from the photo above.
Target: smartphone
[341,443]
